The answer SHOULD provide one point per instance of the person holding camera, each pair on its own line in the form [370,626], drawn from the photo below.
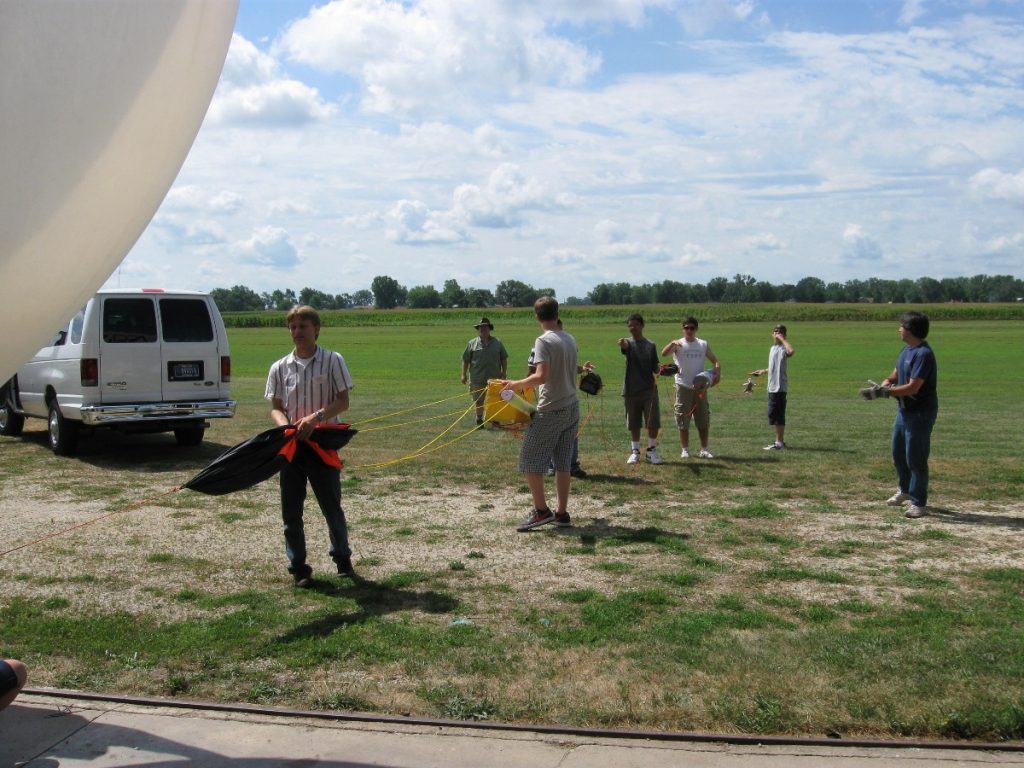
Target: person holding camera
[778,384]
[913,381]
[689,354]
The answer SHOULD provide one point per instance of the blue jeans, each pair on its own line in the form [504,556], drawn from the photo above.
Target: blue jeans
[911,444]
[326,484]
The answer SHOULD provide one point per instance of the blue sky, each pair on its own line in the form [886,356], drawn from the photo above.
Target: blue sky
[567,143]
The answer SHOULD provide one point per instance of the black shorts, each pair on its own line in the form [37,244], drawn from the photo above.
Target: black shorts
[8,680]
[777,408]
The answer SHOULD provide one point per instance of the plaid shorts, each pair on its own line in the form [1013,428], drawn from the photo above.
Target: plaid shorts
[549,438]
[689,403]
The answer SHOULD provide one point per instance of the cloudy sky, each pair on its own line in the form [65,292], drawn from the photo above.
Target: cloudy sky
[567,143]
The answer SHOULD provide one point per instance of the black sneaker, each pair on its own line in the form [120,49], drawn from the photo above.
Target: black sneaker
[303,578]
[578,472]
[345,567]
[562,520]
[537,518]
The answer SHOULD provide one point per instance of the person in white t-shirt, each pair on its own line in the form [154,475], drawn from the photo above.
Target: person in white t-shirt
[690,354]
[778,384]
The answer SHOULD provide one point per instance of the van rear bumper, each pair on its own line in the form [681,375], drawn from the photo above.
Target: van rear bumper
[121,413]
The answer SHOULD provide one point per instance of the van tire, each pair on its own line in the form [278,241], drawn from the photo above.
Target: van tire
[63,433]
[189,436]
[11,423]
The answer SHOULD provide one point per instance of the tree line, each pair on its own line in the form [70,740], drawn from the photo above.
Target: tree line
[386,293]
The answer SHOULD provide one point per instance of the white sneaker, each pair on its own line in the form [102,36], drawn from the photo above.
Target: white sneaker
[706,454]
[685,454]
[652,456]
[634,456]
[775,447]
[915,511]
[897,499]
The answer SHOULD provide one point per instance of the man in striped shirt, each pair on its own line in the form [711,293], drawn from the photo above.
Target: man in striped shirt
[310,386]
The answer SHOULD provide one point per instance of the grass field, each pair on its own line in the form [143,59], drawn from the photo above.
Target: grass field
[756,592]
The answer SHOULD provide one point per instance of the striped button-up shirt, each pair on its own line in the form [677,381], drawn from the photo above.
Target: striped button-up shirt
[306,386]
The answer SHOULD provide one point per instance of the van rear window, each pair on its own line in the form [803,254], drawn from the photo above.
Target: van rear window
[129,321]
[185,320]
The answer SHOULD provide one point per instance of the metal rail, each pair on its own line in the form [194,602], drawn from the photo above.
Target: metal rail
[544,730]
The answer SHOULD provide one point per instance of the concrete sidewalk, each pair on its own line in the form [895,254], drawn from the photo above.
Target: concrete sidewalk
[40,731]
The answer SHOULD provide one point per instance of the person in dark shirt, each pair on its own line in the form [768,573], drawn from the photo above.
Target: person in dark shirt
[913,381]
[640,390]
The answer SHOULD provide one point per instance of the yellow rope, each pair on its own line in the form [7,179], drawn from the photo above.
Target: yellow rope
[417,407]
[414,421]
[426,448]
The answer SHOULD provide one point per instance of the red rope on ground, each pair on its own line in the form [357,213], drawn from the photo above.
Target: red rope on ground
[84,523]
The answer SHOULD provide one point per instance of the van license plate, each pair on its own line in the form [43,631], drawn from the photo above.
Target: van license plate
[191,370]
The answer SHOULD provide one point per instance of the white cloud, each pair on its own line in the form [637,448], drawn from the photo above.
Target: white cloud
[608,231]
[993,184]
[912,10]
[252,91]
[413,223]
[700,17]
[501,202]
[435,56]
[765,241]
[859,246]
[268,247]
[226,202]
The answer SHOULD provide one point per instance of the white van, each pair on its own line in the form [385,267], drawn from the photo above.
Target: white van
[144,360]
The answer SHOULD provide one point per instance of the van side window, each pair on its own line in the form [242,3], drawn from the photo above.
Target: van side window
[76,326]
[129,321]
[185,320]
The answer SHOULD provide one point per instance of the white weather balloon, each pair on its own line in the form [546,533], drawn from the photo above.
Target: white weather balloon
[100,101]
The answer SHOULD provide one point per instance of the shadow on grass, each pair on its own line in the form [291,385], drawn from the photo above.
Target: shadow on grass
[607,479]
[601,529]
[973,518]
[373,600]
[139,453]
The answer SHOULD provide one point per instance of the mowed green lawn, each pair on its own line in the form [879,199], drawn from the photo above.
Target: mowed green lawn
[756,592]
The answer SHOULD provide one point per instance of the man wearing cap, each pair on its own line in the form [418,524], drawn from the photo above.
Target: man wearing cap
[778,384]
[484,358]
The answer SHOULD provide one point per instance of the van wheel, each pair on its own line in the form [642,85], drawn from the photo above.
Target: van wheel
[63,432]
[11,423]
[189,436]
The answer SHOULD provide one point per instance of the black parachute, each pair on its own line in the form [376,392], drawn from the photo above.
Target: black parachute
[262,457]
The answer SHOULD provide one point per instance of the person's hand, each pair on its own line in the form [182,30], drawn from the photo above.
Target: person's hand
[306,426]
[624,343]
[463,378]
[588,366]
